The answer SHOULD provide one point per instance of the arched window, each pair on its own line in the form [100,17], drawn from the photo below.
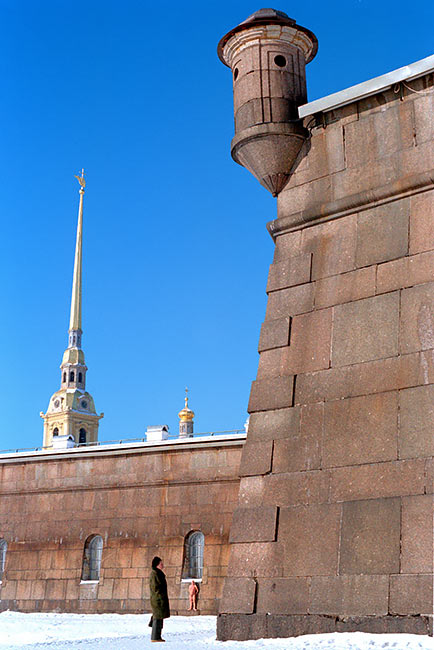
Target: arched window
[193,556]
[64,377]
[71,376]
[82,437]
[55,431]
[80,377]
[92,558]
[3,549]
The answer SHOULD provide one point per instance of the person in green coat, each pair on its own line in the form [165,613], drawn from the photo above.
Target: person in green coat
[159,599]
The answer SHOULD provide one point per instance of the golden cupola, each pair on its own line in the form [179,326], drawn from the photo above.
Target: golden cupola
[186,420]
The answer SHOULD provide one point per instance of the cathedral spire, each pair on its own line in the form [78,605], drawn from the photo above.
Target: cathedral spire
[75,319]
[71,411]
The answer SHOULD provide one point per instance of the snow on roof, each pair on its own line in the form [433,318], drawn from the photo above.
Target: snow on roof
[368,88]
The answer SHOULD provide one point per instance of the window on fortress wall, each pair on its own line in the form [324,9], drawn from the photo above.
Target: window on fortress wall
[92,558]
[82,437]
[3,549]
[192,568]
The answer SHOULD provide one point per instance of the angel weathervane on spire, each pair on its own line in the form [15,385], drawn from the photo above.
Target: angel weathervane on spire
[81,180]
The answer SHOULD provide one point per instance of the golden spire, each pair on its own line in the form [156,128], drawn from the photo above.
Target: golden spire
[75,319]
[186,415]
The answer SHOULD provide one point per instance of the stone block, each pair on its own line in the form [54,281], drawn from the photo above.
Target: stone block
[365,330]
[357,595]
[288,302]
[333,246]
[254,560]
[283,596]
[270,364]
[377,480]
[360,430]
[309,347]
[416,427]
[326,156]
[365,378]
[241,627]
[347,287]
[274,334]
[72,589]
[310,342]
[8,590]
[382,233]
[422,222]
[296,488]
[424,110]
[256,458]
[290,272]
[429,476]
[252,490]
[384,624]
[55,589]
[302,197]
[287,245]
[271,394]
[310,535]
[370,538]
[298,625]
[417,534]
[405,272]
[268,425]
[24,589]
[254,525]
[383,133]
[417,318]
[238,596]
[135,588]
[301,449]
[120,589]
[411,594]
[38,589]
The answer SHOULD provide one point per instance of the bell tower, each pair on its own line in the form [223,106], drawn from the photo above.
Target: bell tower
[71,410]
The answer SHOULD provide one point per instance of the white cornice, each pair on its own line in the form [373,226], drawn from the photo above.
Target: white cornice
[178,444]
[368,88]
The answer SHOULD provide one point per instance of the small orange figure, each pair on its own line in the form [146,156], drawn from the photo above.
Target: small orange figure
[193,590]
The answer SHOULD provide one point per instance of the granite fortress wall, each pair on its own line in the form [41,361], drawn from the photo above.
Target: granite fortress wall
[142,501]
[334,525]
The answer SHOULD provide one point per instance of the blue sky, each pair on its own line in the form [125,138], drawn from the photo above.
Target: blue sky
[176,252]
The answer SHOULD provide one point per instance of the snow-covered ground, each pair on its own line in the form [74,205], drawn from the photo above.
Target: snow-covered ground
[131,632]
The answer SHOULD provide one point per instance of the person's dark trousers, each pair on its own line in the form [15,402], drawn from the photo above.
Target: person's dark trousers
[157,626]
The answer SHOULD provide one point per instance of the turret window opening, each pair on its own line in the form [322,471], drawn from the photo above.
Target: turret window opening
[192,568]
[55,431]
[280,61]
[64,377]
[82,437]
[71,376]
[80,377]
[3,549]
[92,558]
